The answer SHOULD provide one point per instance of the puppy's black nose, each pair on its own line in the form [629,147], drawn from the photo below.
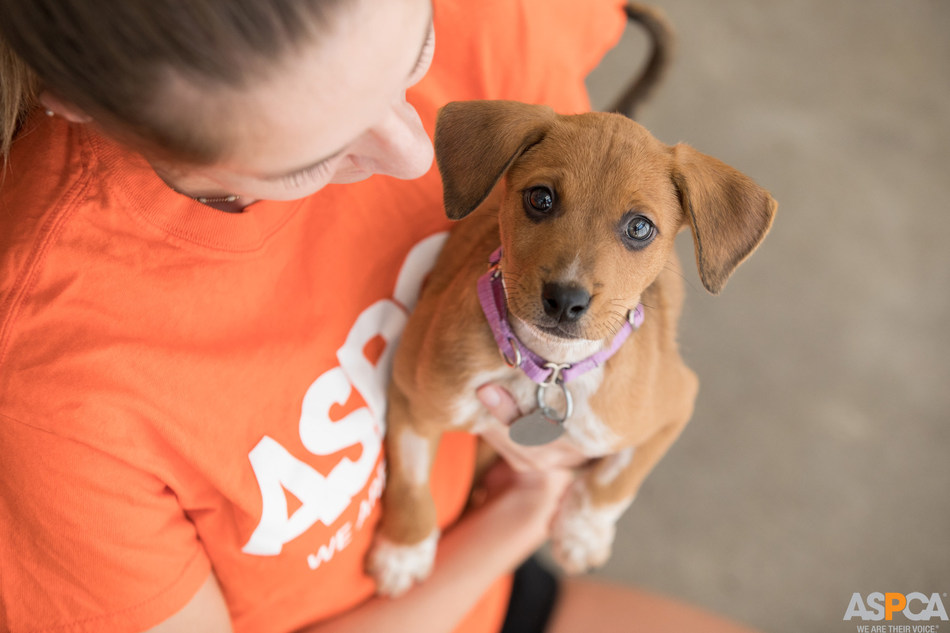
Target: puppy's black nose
[564,303]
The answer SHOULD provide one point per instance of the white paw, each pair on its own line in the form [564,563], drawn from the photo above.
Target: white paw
[397,567]
[582,535]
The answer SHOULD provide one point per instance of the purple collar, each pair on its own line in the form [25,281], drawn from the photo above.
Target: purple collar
[491,294]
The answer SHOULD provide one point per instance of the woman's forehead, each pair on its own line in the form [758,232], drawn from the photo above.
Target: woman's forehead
[321,95]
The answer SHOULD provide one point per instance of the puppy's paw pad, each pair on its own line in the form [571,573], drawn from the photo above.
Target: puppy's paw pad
[397,567]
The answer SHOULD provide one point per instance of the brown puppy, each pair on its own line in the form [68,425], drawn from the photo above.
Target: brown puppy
[585,209]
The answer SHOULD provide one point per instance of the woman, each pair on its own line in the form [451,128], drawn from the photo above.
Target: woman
[197,321]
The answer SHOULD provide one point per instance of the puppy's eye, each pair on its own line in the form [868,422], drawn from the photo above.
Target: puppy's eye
[639,231]
[539,199]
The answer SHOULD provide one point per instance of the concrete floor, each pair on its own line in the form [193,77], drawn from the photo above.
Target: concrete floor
[818,460]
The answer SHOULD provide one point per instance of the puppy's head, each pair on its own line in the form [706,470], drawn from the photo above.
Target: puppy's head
[590,208]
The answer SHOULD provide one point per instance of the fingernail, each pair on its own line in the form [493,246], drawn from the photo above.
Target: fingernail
[489,397]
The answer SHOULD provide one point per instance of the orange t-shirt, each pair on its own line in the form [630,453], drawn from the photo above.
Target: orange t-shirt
[184,390]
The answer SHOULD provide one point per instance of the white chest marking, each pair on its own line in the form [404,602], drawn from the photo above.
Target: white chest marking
[585,428]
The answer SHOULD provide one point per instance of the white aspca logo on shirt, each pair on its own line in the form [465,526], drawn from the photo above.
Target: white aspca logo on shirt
[324,498]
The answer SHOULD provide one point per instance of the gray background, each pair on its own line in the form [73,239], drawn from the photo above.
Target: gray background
[816,464]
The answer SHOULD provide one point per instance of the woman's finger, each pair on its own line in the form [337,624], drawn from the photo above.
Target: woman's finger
[499,403]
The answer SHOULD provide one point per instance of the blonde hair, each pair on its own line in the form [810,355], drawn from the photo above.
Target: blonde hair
[112,60]
[18,95]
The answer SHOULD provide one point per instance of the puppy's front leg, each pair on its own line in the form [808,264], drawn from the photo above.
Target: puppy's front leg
[406,537]
[583,531]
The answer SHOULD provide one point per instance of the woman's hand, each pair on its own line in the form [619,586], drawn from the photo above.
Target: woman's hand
[559,454]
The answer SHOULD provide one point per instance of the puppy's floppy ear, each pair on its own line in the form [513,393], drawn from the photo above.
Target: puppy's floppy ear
[476,142]
[728,212]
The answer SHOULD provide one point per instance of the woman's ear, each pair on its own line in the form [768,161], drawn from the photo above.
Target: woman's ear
[728,213]
[62,108]
[476,142]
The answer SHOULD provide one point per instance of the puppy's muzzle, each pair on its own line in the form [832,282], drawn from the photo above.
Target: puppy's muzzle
[564,303]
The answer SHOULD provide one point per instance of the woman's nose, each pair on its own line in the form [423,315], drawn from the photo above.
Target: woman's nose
[398,146]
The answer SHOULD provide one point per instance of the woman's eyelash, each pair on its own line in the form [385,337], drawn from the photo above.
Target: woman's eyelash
[307,175]
[425,56]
